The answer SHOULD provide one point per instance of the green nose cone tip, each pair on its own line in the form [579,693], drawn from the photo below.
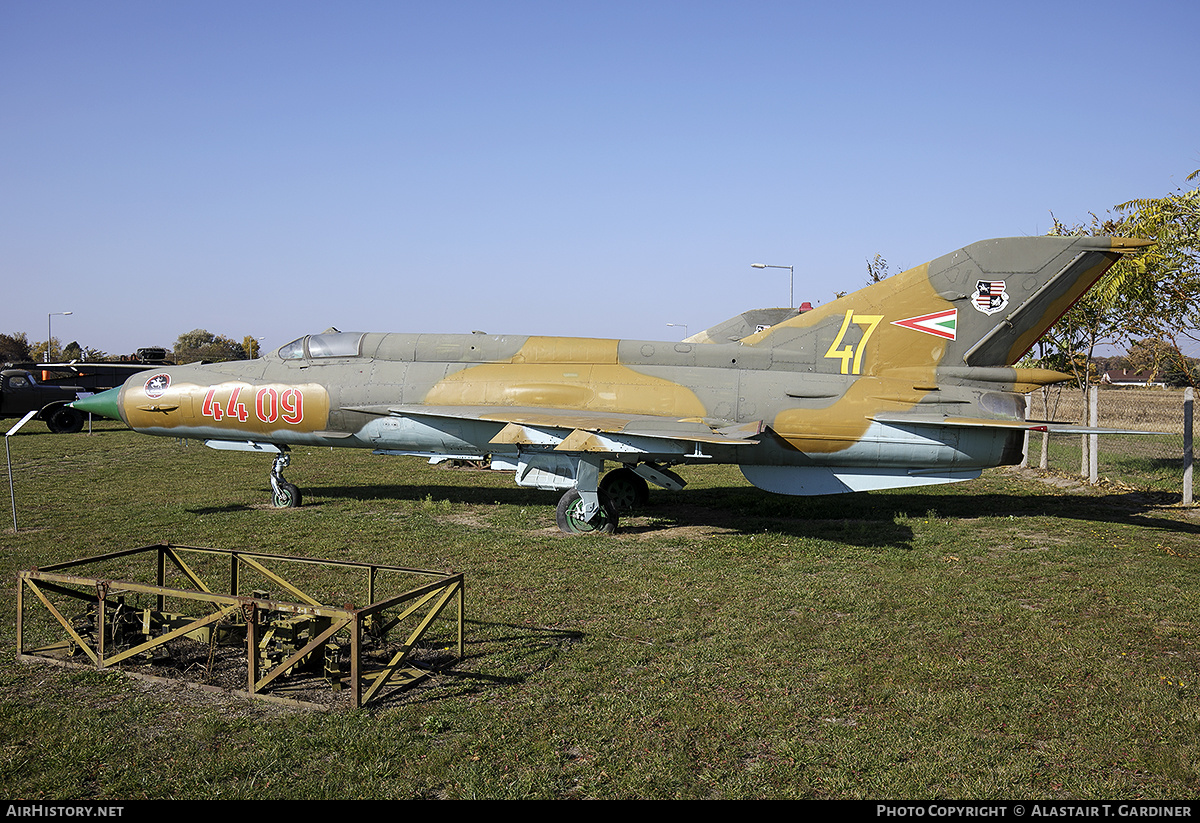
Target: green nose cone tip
[105,404]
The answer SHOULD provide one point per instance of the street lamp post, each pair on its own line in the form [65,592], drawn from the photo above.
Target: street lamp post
[791,280]
[680,324]
[50,334]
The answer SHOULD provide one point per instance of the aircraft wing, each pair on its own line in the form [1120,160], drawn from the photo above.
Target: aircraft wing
[83,366]
[581,430]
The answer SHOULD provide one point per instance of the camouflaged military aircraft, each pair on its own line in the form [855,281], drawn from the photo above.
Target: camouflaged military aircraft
[908,382]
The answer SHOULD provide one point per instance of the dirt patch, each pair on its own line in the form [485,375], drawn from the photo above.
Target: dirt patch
[186,671]
[1058,481]
[1131,496]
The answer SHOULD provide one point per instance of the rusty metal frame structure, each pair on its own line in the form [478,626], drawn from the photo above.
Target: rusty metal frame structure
[69,580]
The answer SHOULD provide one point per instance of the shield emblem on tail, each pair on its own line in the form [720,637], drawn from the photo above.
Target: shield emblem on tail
[990,296]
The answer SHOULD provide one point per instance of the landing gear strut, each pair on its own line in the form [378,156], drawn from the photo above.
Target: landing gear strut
[284,495]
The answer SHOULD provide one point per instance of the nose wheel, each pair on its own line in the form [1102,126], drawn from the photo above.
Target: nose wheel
[284,495]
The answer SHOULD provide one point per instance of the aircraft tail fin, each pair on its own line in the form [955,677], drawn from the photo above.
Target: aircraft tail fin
[984,305]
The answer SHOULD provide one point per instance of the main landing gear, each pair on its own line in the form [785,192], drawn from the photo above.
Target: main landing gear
[591,506]
[626,489]
[573,516]
[595,506]
[284,495]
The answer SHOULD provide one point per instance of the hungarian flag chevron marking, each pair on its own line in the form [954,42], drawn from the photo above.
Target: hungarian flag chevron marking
[939,324]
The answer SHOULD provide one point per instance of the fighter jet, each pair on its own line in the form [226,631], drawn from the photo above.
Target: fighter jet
[908,382]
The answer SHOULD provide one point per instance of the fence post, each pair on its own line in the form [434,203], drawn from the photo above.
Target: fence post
[1093,439]
[1025,447]
[1188,395]
[1083,438]
[1044,461]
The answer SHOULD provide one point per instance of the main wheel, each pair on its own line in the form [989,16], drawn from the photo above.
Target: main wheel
[65,420]
[286,496]
[626,489]
[570,515]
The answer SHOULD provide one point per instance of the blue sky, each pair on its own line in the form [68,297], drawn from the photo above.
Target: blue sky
[575,168]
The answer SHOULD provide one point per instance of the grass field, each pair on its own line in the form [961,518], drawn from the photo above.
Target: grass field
[1004,638]
[1147,463]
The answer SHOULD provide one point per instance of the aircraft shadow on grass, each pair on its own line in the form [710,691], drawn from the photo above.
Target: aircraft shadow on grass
[526,651]
[866,520]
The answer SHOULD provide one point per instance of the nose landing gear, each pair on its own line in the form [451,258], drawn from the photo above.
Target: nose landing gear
[284,495]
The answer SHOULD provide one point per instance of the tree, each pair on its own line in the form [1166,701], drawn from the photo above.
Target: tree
[201,344]
[1182,371]
[1168,299]
[1155,292]
[877,270]
[250,346]
[14,348]
[1145,356]
[60,353]
[39,350]
[1101,316]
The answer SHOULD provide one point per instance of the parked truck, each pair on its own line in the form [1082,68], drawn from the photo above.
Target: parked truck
[48,388]
[21,393]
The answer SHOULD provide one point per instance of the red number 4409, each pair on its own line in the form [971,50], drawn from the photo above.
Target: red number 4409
[270,404]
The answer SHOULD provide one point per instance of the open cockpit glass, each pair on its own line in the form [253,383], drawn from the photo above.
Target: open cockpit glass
[317,346]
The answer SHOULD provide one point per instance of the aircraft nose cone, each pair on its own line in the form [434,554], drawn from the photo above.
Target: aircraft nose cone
[105,404]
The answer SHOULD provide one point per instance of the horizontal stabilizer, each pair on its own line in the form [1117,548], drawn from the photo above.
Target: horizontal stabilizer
[1071,428]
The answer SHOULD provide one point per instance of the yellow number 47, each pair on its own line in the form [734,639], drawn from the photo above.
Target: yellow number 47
[867,322]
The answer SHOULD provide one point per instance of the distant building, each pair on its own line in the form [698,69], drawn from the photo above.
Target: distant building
[1124,378]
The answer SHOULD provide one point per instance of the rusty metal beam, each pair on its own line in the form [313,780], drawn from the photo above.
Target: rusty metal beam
[112,622]
[394,665]
[275,578]
[66,624]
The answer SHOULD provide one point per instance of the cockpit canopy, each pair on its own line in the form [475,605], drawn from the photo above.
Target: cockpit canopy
[329,344]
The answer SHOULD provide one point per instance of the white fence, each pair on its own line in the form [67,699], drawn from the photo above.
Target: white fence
[1153,462]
